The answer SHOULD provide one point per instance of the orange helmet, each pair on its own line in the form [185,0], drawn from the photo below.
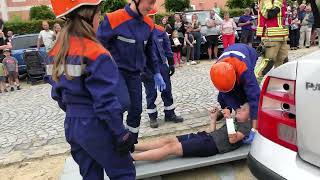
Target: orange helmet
[62,8]
[152,12]
[223,76]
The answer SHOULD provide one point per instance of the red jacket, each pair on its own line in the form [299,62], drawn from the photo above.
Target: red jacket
[272,28]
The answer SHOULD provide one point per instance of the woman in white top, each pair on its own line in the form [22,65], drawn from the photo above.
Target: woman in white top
[228,29]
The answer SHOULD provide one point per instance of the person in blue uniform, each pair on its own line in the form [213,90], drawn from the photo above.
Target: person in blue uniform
[166,65]
[83,76]
[233,75]
[128,33]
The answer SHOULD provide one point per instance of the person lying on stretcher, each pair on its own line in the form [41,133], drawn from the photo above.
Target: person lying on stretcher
[201,144]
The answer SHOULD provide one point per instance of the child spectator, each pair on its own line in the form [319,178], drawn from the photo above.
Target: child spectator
[228,29]
[176,48]
[202,144]
[11,66]
[189,44]
[2,78]
[294,30]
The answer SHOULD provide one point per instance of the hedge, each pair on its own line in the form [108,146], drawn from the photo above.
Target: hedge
[35,26]
[27,27]
[236,12]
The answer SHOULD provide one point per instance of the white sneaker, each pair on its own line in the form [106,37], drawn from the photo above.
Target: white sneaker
[188,63]
[193,63]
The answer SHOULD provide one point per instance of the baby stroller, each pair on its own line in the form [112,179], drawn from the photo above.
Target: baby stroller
[35,66]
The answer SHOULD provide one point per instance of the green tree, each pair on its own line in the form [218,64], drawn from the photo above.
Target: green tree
[176,5]
[239,3]
[112,5]
[42,12]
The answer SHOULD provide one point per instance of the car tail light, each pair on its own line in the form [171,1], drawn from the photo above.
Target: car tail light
[277,113]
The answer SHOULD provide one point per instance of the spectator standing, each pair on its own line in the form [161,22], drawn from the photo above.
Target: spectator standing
[228,28]
[294,31]
[166,25]
[315,5]
[216,8]
[254,9]
[11,66]
[189,43]
[46,36]
[3,75]
[307,21]
[56,29]
[196,28]
[179,27]
[176,48]
[213,35]
[9,36]
[1,24]
[245,22]
[56,32]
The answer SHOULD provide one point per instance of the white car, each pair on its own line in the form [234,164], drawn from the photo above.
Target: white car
[287,145]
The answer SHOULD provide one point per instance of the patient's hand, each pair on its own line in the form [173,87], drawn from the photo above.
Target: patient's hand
[214,114]
[232,138]
[226,113]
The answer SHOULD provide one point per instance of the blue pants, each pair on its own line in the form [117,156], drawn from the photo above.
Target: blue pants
[129,92]
[197,47]
[166,95]
[92,146]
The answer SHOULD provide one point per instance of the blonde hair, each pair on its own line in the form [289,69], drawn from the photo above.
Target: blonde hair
[75,26]
[175,34]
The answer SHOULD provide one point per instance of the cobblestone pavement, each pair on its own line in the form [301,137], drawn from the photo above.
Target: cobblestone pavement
[31,124]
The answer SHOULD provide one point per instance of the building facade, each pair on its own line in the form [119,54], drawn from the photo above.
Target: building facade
[196,4]
[21,8]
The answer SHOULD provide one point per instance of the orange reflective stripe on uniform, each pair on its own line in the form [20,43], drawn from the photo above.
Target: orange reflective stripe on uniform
[118,17]
[82,47]
[160,28]
[150,22]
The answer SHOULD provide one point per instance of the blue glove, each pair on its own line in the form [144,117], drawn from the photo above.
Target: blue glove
[249,139]
[159,82]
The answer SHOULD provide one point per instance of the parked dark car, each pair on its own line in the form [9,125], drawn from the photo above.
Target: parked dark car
[21,44]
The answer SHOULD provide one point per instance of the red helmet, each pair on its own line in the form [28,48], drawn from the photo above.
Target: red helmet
[152,12]
[64,7]
[223,76]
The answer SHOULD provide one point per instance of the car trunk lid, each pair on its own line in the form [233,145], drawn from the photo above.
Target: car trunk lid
[307,108]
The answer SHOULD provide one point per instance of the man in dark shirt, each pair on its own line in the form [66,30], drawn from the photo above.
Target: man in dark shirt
[202,144]
[245,22]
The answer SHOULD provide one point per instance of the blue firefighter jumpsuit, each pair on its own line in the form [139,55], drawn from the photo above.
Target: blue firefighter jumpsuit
[129,38]
[246,89]
[93,113]
[164,53]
